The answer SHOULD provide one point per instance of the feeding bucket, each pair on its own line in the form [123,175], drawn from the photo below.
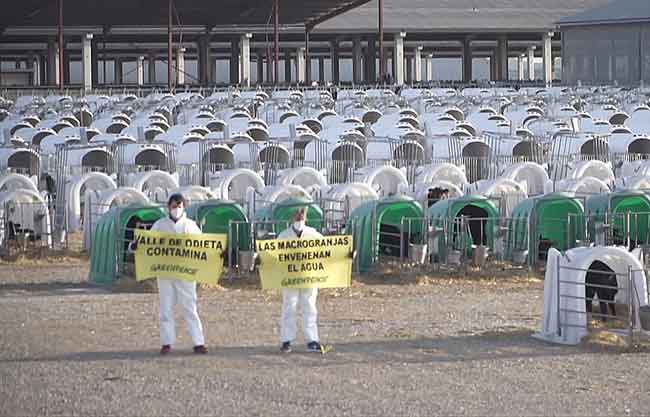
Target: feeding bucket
[479,255]
[246,259]
[644,315]
[520,257]
[418,253]
[453,257]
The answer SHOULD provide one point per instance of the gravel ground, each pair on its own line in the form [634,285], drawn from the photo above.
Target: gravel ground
[438,346]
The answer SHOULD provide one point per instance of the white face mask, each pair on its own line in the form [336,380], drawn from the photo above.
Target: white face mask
[176,213]
[299,225]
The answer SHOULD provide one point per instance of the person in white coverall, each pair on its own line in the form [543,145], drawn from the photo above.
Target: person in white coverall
[305,297]
[174,291]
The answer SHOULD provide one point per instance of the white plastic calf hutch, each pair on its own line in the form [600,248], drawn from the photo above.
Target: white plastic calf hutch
[530,173]
[232,184]
[24,212]
[386,180]
[564,317]
[306,177]
[15,182]
[156,185]
[98,202]
[19,160]
[76,188]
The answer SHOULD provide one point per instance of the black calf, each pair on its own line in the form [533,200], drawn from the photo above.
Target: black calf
[391,238]
[601,274]
[543,248]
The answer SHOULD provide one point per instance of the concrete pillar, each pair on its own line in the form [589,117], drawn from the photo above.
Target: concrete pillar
[307,60]
[429,65]
[408,78]
[212,65]
[118,71]
[260,68]
[371,60]
[287,66]
[43,68]
[245,47]
[321,69]
[36,67]
[180,66]
[301,68]
[94,61]
[531,63]
[29,64]
[234,62]
[140,70]
[152,69]
[502,58]
[203,49]
[418,64]
[52,63]
[269,66]
[86,61]
[520,67]
[387,70]
[57,69]
[467,60]
[493,69]
[66,69]
[547,55]
[398,58]
[334,53]
[357,75]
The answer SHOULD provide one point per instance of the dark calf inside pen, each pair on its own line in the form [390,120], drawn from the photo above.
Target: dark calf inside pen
[600,275]
[619,239]
[395,242]
[543,247]
[475,224]
[15,229]
[435,194]
[129,235]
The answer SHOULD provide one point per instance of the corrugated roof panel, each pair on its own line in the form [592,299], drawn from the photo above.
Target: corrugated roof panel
[460,15]
[618,11]
[40,13]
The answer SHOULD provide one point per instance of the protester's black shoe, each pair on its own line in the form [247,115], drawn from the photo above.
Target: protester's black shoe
[165,349]
[314,347]
[286,347]
[202,350]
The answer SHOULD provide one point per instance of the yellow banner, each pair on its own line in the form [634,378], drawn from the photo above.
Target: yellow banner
[306,263]
[178,256]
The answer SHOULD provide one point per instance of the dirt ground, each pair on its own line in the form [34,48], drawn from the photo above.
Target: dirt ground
[404,344]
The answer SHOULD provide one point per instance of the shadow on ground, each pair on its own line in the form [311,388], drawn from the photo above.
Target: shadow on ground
[500,345]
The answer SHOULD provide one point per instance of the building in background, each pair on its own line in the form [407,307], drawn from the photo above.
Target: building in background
[608,44]
[455,40]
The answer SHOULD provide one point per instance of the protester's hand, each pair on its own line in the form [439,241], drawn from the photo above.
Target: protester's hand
[258,260]
[133,246]
[352,254]
[223,254]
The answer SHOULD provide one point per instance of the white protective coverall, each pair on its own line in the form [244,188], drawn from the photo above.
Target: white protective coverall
[306,297]
[174,291]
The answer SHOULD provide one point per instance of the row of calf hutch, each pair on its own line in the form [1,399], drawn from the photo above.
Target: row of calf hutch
[257,149]
[430,175]
[454,227]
